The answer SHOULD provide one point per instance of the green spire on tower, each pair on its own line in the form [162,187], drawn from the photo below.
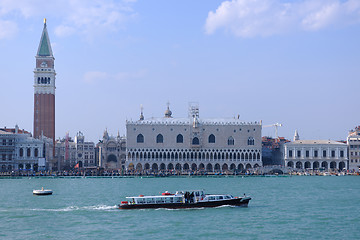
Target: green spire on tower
[44,46]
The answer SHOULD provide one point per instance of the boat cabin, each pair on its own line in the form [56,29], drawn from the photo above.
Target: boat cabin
[209,198]
[178,197]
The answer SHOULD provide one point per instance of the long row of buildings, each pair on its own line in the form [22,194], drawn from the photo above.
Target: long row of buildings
[160,144]
[180,144]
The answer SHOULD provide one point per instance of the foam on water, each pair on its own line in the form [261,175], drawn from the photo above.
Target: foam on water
[77,208]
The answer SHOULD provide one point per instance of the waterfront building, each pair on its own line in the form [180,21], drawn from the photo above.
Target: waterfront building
[20,151]
[193,143]
[112,151]
[44,89]
[70,153]
[271,151]
[353,141]
[315,154]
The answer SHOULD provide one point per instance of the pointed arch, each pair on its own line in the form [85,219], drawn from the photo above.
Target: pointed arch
[201,166]
[186,167]
[170,166]
[159,138]
[140,138]
[193,167]
[211,138]
[225,167]
[154,167]
[179,138]
[162,166]
[209,167]
[195,141]
[147,166]
[231,141]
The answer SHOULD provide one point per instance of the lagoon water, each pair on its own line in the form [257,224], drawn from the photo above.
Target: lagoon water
[300,207]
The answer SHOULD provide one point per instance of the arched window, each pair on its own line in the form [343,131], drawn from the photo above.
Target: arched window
[230,141]
[38,80]
[195,141]
[36,153]
[212,138]
[251,141]
[21,152]
[140,138]
[159,138]
[179,138]
[28,152]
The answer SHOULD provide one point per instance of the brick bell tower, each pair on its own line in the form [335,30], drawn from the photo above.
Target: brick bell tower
[44,89]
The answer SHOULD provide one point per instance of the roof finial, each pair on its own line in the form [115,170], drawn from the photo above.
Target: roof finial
[45,21]
[141,112]
[168,112]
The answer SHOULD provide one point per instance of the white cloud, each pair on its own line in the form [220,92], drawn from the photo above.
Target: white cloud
[249,18]
[97,76]
[85,17]
[7,29]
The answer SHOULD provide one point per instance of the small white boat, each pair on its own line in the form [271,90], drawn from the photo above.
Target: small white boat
[42,192]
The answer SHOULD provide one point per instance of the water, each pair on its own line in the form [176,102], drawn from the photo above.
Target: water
[301,207]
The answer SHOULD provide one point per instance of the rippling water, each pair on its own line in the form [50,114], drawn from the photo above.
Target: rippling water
[85,208]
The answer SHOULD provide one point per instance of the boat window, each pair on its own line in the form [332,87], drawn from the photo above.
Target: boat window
[159,200]
[178,199]
[227,197]
[197,194]
[221,197]
[211,198]
[168,199]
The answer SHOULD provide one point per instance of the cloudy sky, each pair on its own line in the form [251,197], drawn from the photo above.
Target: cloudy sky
[280,61]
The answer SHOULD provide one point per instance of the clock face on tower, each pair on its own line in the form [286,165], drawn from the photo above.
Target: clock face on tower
[43,64]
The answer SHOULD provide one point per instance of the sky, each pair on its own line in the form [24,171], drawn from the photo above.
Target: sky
[279,61]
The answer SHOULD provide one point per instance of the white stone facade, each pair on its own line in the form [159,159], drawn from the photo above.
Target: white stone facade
[20,151]
[353,142]
[112,152]
[184,144]
[315,154]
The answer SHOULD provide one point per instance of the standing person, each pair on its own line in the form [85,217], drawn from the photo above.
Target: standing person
[192,197]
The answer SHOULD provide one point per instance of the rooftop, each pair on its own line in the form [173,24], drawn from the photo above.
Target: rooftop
[315,142]
[188,121]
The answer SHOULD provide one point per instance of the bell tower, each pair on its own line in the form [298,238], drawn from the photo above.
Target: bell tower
[44,89]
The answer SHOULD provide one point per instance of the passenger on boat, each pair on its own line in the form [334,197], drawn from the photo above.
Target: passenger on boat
[187,196]
[192,197]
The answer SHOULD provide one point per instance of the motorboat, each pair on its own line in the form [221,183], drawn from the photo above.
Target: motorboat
[183,199]
[42,191]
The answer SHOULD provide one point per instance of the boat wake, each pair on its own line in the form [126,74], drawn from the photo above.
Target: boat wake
[76,208]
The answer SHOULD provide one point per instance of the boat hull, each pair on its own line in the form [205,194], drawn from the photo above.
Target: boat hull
[42,193]
[243,202]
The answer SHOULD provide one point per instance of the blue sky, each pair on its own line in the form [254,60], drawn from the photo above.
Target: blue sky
[291,62]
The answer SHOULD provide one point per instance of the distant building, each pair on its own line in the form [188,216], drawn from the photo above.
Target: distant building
[271,150]
[192,143]
[70,153]
[20,151]
[315,154]
[112,151]
[353,141]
